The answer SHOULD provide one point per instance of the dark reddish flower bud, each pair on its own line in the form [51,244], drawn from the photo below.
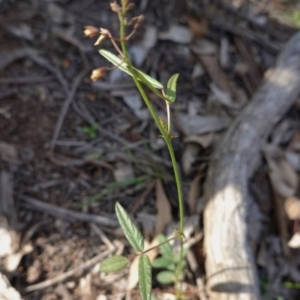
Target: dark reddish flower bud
[98,73]
[129,6]
[138,22]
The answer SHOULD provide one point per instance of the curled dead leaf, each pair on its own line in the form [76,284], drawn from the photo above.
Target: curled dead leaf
[189,156]
[294,242]
[283,177]
[194,193]
[163,207]
[178,34]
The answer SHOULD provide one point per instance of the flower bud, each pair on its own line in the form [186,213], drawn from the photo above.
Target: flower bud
[129,6]
[91,31]
[99,40]
[138,22]
[98,73]
[115,7]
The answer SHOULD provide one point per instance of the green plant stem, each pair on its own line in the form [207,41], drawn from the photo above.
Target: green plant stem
[156,119]
[157,246]
[164,133]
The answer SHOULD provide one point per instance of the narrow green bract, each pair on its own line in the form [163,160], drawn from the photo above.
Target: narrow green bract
[131,232]
[113,264]
[145,278]
[171,88]
[118,62]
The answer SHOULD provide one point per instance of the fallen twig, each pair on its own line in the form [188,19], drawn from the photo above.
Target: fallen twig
[26,80]
[66,106]
[67,214]
[86,265]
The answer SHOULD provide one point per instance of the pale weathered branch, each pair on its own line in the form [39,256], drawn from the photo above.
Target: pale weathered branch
[230,266]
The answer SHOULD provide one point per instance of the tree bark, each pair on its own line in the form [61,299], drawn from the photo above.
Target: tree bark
[230,264]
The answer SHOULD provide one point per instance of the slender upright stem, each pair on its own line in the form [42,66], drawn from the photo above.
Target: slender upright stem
[165,134]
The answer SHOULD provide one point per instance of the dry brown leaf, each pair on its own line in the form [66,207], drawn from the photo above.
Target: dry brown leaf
[205,140]
[223,96]
[199,28]
[8,153]
[150,37]
[292,208]
[283,177]
[198,125]
[123,172]
[189,156]
[178,34]
[215,72]
[204,47]
[133,276]
[294,242]
[6,240]
[135,103]
[197,71]
[194,193]
[293,158]
[22,31]
[164,214]
[224,53]
[147,222]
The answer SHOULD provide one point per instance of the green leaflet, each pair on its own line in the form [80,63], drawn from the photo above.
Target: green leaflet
[145,277]
[131,232]
[165,277]
[113,264]
[171,88]
[176,257]
[166,249]
[162,262]
[118,62]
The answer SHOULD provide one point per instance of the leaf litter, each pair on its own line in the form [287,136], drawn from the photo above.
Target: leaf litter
[214,74]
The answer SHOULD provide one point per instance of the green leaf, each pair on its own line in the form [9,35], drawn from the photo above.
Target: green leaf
[165,277]
[131,232]
[113,264]
[177,255]
[171,267]
[145,278]
[118,62]
[166,248]
[171,88]
[162,262]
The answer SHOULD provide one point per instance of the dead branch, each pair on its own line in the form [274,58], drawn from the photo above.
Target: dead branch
[230,266]
[66,214]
